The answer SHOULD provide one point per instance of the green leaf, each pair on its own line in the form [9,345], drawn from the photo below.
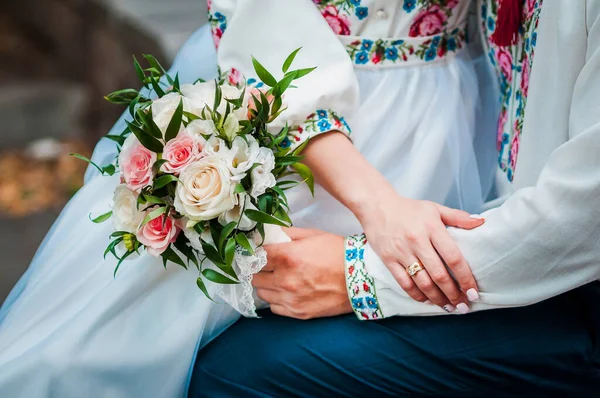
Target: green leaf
[186,250]
[239,188]
[225,232]
[303,72]
[263,74]
[156,86]
[212,253]
[289,60]
[152,200]
[154,62]
[139,71]
[263,217]
[159,211]
[151,127]
[306,175]
[129,253]
[157,165]
[243,241]
[81,157]
[102,218]
[190,116]
[164,180]
[146,139]
[202,287]
[229,254]
[217,277]
[218,96]
[109,170]
[176,84]
[170,255]
[119,139]
[111,247]
[282,214]
[175,123]
[122,97]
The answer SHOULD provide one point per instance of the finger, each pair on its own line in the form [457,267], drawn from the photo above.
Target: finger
[453,258]
[406,283]
[270,296]
[277,255]
[459,218]
[280,310]
[300,233]
[263,280]
[441,277]
[428,287]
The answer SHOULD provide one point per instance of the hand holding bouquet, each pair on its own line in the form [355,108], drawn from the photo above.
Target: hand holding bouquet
[201,170]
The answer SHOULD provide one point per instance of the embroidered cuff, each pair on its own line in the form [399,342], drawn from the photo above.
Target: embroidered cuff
[322,121]
[361,287]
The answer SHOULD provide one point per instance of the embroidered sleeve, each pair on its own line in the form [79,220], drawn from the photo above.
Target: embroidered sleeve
[320,122]
[361,286]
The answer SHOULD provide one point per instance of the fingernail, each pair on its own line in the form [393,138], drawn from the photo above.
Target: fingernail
[477,217]
[428,302]
[448,308]
[472,295]
[462,308]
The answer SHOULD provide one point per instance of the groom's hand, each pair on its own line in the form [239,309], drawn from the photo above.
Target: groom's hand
[305,278]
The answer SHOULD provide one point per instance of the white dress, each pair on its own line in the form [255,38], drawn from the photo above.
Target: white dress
[69,329]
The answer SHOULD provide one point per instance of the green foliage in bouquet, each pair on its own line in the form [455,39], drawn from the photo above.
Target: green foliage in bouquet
[219,241]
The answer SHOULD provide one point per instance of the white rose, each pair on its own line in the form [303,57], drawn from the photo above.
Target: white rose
[261,175]
[201,128]
[194,237]
[126,216]
[233,93]
[164,108]
[239,158]
[201,95]
[235,214]
[205,189]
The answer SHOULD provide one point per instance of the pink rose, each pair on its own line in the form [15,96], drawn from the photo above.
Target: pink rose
[135,161]
[505,62]
[525,77]
[514,149]
[428,22]
[501,123]
[158,234]
[339,23]
[255,92]
[234,77]
[181,151]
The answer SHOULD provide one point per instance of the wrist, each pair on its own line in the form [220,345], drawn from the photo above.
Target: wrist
[369,206]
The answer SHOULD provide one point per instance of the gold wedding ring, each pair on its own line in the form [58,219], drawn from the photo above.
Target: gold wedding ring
[414,268]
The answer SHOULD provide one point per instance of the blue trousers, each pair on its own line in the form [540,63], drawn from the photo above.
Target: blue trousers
[548,349]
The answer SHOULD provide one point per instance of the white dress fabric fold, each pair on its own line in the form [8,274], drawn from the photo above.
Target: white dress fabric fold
[71,329]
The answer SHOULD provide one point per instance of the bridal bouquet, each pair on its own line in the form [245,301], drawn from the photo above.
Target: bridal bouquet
[201,170]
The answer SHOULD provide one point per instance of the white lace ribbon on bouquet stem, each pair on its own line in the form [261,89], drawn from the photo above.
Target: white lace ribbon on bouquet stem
[242,296]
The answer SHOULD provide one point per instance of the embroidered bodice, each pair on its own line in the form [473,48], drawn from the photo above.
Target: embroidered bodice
[385,32]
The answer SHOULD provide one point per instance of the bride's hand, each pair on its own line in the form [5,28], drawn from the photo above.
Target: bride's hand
[404,231]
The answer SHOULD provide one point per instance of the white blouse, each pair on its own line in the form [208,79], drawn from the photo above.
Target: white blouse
[544,239]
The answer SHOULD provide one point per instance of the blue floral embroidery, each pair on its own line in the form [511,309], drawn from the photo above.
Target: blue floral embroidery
[430,54]
[391,53]
[367,45]
[286,143]
[351,254]
[355,2]
[409,5]
[324,125]
[362,57]
[322,113]
[321,121]
[491,24]
[361,286]
[361,12]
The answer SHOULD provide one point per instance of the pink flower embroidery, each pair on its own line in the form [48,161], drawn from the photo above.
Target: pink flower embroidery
[338,22]
[525,77]
[217,34]
[514,149]
[234,77]
[505,62]
[530,8]
[428,22]
[501,123]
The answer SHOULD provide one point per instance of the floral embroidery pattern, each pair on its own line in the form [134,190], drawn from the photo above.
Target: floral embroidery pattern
[316,123]
[218,24]
[391,51]
[433,17]
[361,287]
[513,66]
[338,12]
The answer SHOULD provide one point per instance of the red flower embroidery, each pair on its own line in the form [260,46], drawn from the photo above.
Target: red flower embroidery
[338,22]
[428,22]
[514,148]
[351,270]
[234,77]
[525,77]
[366,288]
[217,34]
